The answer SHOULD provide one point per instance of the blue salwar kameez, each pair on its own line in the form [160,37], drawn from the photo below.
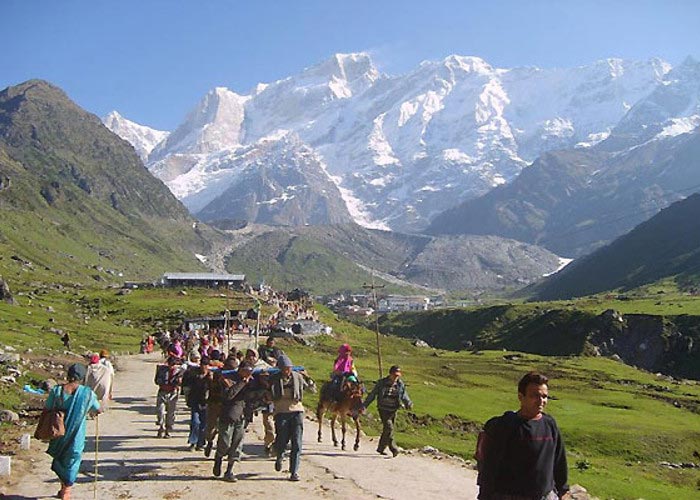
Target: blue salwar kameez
[67,450]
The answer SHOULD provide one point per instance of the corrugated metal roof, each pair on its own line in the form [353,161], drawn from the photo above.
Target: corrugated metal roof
[204,276]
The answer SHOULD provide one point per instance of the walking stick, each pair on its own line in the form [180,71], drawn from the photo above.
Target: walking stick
[97,445]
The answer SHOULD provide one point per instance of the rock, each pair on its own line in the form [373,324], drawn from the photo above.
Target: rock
[578,492]
[183,292]
[429,450]
[6,359]
[615,357]
[8,416]
[5,294]
[421,343]
[5,466]
[9,348]
[25,442]
[8,379]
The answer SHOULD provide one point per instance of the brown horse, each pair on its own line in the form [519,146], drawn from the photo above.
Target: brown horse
[349,404]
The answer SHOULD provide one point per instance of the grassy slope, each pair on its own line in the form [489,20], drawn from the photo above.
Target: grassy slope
[612,416]
[287,261]
[619,420]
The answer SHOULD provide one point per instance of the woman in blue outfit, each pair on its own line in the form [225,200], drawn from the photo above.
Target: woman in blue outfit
[77,401]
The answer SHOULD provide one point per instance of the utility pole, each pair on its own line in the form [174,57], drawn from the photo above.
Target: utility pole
[227,316]
[374,288]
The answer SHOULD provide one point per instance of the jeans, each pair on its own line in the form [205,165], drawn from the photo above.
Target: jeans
[387,439]
[230,440]
[166,403]
[198,421]
[213,412]
[289,426]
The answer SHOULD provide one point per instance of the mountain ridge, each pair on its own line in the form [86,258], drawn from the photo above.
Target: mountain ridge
[76,197]
[404,148]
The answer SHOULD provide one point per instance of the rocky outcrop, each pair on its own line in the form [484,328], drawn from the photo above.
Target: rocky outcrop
[667,344]
[5,294]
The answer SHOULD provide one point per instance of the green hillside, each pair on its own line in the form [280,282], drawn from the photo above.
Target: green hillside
[76,202]
[287,261]
[667,245]
[619,423]
[341,257]
[659,343]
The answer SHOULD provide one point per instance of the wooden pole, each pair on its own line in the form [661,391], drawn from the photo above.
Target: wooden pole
[97,445]
[227,315]
[374,288]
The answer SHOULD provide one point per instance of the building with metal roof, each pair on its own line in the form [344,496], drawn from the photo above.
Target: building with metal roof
[210,280]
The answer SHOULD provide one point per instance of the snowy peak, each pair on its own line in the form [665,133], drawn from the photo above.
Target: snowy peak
[142,138]
[214,124]
[468,64]
[345,74]
[671,109]
[403,148]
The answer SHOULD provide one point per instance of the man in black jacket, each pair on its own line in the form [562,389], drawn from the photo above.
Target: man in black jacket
[522,453]
[232,420]
[391,394]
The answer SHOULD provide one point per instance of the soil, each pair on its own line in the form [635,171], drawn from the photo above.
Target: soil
[133,463]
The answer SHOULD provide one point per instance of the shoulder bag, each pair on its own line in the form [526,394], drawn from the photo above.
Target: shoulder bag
[51,425]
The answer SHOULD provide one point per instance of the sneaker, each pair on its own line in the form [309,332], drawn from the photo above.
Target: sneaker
[191,447]
[160,433]
[394,452]
[230,477]
[207,449]
[268,451]
[381,452]
[198,448]
[294,477]
[166,435]
[217,467]
[278,464]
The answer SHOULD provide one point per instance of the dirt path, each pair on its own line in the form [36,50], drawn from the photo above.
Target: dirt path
[133,463]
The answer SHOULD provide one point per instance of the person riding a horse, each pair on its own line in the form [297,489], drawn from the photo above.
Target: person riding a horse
[343,370]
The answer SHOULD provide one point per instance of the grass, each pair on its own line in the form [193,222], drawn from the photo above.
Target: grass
[618,422]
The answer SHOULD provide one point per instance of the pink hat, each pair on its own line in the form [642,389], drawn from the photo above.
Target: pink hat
[94,359]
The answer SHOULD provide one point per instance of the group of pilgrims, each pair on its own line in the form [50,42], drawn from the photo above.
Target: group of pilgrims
[520,455]
[224,390]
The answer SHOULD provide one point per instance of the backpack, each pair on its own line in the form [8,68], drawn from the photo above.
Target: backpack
[161,377]
[491,443]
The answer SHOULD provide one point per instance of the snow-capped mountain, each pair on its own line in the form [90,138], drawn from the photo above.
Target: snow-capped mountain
[673,108]
[280,182]
[402,149]
[142,138]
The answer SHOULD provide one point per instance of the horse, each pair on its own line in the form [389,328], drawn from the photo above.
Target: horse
[349,404]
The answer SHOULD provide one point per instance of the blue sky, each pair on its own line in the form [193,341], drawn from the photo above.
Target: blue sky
[152,60]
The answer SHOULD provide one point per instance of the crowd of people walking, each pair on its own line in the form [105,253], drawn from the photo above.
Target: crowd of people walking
[520,454]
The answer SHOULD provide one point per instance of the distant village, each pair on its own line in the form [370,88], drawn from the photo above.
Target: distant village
[347,304]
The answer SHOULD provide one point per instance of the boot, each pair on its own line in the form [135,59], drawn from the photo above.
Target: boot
[207,449]
[228,476]
[217,466]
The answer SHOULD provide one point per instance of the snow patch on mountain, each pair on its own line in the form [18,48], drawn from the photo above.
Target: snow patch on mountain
[678,126]
[142,138]
[458,126]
